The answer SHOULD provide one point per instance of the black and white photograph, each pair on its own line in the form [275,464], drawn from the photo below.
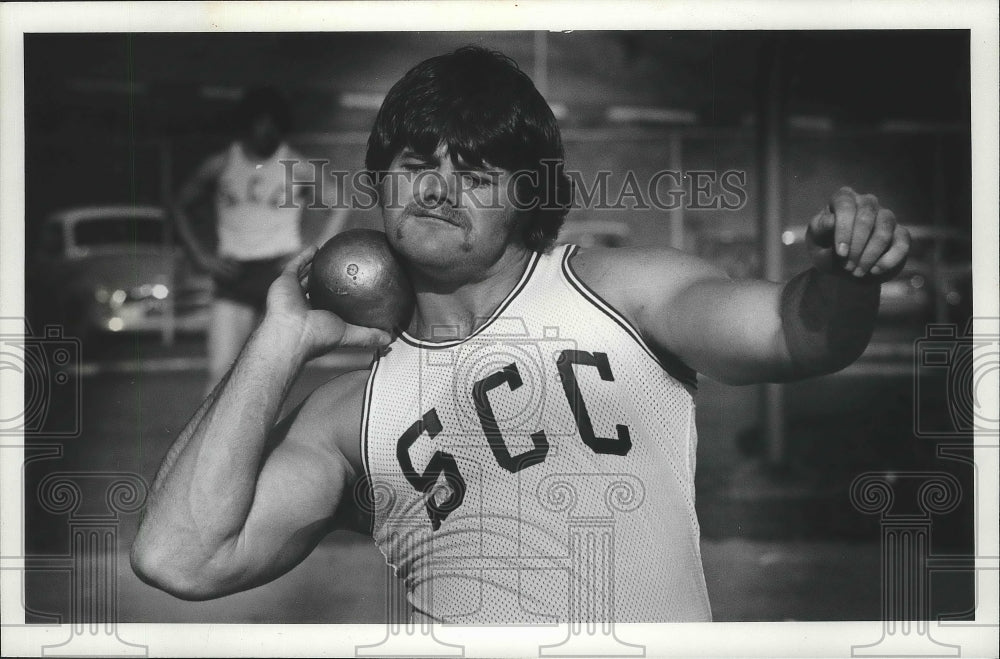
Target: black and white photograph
[489,329]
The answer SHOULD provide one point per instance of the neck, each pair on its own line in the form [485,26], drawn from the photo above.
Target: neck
[447,310]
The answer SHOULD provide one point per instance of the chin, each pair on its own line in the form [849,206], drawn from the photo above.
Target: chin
[435,254]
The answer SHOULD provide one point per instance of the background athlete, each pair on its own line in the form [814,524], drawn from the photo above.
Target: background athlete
[242,497]
[257,231]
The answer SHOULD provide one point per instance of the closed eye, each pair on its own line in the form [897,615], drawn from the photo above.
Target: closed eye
[475,180]
[478,179]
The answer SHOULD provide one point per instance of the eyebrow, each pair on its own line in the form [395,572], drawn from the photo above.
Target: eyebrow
[485,167]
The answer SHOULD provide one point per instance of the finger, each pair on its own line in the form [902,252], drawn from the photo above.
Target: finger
[843,207]
[885,228]
[896,255]
[300,262]
[821,229]
[355,335]
[863,225]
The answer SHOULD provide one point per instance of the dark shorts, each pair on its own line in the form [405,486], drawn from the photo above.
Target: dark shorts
[250,286]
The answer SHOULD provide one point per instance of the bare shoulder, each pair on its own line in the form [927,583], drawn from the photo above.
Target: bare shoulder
[631,276]
[332,413]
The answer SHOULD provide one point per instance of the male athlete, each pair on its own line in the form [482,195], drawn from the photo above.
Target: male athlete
[524,450]
[258,230]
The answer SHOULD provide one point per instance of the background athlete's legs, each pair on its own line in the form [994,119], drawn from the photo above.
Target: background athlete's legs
[230,324]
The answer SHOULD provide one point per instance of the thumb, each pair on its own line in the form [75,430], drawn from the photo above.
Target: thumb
[821,229]
[356,335]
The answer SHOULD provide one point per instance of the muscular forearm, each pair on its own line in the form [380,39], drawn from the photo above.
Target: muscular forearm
[204,491]
[826,321]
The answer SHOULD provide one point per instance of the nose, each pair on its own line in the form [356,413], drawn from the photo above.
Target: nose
[436,186]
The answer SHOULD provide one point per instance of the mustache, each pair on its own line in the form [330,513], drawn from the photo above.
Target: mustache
[445,212]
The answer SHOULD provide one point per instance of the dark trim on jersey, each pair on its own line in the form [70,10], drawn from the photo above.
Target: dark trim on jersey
[669,362]
[521,284]
[365,412]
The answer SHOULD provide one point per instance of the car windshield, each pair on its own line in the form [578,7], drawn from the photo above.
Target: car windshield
[119,231]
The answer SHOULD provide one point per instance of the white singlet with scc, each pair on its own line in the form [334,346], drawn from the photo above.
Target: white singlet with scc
[540,470]
[251,221]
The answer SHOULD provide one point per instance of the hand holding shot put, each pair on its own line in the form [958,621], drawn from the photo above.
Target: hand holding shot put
[317,325]
[242,497]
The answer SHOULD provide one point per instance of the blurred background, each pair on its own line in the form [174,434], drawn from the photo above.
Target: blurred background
[116,122]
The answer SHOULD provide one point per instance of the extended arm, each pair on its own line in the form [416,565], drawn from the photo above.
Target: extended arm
[240,499]
[740,332]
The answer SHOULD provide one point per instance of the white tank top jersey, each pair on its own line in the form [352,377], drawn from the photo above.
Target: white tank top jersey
[249,197]
[540,470]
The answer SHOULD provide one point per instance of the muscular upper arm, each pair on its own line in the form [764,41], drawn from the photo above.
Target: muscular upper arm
[305,484]
[728,330]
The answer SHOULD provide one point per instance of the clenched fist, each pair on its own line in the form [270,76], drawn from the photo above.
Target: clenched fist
[854,234]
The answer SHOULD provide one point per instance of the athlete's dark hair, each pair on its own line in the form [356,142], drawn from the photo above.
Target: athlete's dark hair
[264,101]
[485,110]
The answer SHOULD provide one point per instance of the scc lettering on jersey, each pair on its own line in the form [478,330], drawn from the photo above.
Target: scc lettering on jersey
[443,463]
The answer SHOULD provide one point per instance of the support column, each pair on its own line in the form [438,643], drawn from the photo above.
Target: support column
[771,137]
[93,556]
[906,549]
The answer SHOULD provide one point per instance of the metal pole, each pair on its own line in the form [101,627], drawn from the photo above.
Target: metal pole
[169,328]
[939,219]
[771,137]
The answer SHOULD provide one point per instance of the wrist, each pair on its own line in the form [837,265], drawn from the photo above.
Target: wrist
[836,274]
[827,319]
[284,335]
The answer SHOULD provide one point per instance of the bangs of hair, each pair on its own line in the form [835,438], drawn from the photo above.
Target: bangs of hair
[477,103]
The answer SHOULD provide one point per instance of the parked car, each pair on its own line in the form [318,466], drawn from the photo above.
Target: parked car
[115,269]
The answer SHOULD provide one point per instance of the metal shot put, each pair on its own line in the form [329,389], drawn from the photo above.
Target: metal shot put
[356,276]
